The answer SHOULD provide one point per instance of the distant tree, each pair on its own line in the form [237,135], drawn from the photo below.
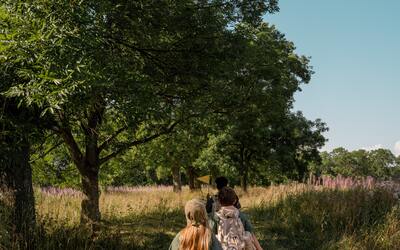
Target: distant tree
[270,152]
[379,163]
[177,152]
[382,162]
[396,169]
[295,144]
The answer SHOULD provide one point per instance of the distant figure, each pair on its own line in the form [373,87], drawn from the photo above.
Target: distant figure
[233,229]
[197,234]
[213,205]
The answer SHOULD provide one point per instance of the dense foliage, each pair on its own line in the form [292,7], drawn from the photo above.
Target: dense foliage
[132,92]
[378,163]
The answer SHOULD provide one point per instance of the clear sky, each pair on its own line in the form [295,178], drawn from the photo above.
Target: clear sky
[354,47]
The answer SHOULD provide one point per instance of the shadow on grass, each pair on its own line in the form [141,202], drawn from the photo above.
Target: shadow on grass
[319,220]
[150,231]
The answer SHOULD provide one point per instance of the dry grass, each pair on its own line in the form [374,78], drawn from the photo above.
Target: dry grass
[125,202]
[295,216]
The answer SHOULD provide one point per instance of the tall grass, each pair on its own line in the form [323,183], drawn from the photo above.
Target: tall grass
[5,215]
[294,216]
[322,219]
[342,182]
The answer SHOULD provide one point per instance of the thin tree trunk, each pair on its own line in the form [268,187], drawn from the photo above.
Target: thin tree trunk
[243,170]
[301,169]
[176,178]
[191,178]
[244,180]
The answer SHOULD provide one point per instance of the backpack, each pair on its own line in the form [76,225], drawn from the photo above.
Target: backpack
[231,232]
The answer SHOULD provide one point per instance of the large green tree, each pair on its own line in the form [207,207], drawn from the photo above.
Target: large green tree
[111,75]
[19,128]
[261,126]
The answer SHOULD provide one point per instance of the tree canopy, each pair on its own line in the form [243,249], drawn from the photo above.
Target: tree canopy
[101,90]
[378,163]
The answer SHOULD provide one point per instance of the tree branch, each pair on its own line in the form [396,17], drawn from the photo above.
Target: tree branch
[129,145]
[144,52]
[157,50]
[41,156]
[73,148]
[107,142]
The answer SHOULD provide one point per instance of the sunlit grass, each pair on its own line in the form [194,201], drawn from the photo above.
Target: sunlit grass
[293,216]
[127,202]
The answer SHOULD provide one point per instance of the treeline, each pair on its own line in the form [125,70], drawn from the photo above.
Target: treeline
[135,92]
[259,155]
[378,163]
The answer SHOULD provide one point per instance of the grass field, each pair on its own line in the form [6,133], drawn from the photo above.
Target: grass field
[293,216]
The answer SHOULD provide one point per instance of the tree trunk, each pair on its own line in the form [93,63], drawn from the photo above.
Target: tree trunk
[88,165]
[18,179]
[302,170]
[87,162]
[243,179]
[243,170]
[90,213]
[176,178]
[191,178]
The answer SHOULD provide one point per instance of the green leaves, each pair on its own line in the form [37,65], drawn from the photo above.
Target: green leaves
[123,71]
[378,163]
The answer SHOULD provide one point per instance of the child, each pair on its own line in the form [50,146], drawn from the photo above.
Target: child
[231,226]
[213,204]
[197,234]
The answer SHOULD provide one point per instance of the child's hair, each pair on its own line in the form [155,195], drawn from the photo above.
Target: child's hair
[227,196]
[197,233]
[221,182]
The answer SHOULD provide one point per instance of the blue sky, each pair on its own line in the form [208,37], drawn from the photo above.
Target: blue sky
[355,53]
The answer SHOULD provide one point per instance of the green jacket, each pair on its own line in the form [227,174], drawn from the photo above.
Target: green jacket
[214,245]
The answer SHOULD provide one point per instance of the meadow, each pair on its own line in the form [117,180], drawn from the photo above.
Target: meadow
[292,216]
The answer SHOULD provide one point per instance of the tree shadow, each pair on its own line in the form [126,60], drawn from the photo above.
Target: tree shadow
[149,231]
[145,232]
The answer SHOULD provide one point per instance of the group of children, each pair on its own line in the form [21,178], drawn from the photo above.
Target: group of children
[217,225]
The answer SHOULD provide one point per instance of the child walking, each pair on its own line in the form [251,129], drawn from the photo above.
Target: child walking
[197,234]
[233,229]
